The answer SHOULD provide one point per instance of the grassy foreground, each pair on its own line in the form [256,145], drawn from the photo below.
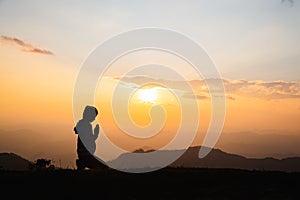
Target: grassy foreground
[163,184]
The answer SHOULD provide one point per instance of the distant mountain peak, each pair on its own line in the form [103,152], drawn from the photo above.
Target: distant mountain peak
[12,161]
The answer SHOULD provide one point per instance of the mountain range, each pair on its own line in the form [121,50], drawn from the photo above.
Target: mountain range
[215,159]
[189,159]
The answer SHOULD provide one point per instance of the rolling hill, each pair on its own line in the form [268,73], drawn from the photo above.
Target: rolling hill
[215,159]
[11,161]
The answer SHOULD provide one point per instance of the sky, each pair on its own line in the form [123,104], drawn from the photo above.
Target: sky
[254,45]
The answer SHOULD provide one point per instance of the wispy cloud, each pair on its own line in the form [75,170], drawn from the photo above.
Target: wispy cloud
[261,89]
[26,47]
[290,1]
[258,89]
[230,98]
[189,95]
[194,96]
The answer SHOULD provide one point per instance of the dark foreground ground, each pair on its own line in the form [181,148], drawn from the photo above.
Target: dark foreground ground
[162,184]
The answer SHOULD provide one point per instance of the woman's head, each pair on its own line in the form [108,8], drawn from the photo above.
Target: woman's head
[90,113]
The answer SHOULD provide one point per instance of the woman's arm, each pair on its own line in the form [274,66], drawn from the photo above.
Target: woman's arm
[96,132]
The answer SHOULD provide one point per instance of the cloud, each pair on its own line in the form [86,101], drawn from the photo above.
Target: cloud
[193,96]
[259,89]
[200,97]
[290,1]
[26,47]
[265,90]
[230,98]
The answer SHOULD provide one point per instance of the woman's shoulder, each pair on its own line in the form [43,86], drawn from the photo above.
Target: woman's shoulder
[84,123]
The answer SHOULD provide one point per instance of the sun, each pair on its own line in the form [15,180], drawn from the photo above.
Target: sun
[147,95]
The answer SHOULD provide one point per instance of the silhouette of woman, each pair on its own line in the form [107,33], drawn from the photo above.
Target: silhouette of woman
[86,141]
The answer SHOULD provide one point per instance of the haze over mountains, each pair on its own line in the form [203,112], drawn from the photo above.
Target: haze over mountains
[61,148]
[30,144]
[189,159]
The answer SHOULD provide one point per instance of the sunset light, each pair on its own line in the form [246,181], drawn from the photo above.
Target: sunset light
[94,94]
[148,95]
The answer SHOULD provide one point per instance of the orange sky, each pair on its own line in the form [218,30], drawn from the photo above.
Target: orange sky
[37,96]
[256,50]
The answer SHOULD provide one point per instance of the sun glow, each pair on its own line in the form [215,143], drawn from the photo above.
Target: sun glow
[147,95]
